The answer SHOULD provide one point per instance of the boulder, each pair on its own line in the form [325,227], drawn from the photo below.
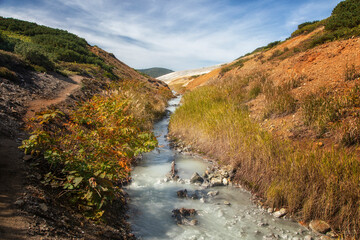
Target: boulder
[282,212]
[183,216]
[216,181]
[319,226]
[196,178]
[182,193]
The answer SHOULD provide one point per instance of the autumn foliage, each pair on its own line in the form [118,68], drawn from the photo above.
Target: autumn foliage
[91,147]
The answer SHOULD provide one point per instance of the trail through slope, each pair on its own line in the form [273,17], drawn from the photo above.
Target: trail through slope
[37,105]
[13,225]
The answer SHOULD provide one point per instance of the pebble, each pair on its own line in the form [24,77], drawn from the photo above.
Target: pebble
[43,207]
[282,212]
[227,203]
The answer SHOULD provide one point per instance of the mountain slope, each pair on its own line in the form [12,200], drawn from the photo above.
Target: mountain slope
[76,88]
[286,118]
[155,72]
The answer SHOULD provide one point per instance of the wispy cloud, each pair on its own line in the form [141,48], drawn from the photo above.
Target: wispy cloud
[173,34]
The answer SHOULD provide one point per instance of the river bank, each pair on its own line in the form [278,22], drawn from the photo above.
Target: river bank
[221,211]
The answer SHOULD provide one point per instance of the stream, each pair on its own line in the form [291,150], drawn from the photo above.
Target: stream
[153,199]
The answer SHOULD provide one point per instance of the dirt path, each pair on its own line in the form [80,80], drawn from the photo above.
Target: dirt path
[13,225]
[37,105]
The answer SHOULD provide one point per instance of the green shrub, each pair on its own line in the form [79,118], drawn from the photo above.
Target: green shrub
[307,27]
[34,54]
[238,64]
[345,15]
[255,90]
[6,43]
[275,54]
[302,25]
[272,44]
[90,148]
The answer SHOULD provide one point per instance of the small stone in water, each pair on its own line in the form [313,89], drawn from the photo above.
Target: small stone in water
[308,237]
[263,224]
[227,203]
[193,222]
[213,193]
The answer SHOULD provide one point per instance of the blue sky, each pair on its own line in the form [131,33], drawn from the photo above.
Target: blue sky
[175,34]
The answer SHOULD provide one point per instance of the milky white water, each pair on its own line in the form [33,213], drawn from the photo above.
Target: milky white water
[153,199]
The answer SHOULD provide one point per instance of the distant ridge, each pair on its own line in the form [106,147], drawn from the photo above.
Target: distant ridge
[156,71]
[187,73]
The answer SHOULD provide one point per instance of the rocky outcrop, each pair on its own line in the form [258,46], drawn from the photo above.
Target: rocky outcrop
[172,175]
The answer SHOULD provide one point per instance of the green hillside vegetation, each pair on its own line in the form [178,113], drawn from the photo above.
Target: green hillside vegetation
[45,47]
[155,72]
[311,182]
[343,23]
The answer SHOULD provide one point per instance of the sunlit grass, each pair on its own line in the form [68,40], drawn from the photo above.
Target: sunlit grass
[17,36]
[311,183]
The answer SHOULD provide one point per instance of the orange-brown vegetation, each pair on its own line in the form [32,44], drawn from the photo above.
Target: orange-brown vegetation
[288,120]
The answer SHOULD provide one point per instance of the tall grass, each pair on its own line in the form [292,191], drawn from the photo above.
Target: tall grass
[326,112]
[278,99]
[312,184]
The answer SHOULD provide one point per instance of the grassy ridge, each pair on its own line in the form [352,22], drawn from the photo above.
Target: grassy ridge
[45,47]
[311,183]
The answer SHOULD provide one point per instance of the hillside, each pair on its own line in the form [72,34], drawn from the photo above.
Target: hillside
[286,118]
[155,72]
[58,99]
